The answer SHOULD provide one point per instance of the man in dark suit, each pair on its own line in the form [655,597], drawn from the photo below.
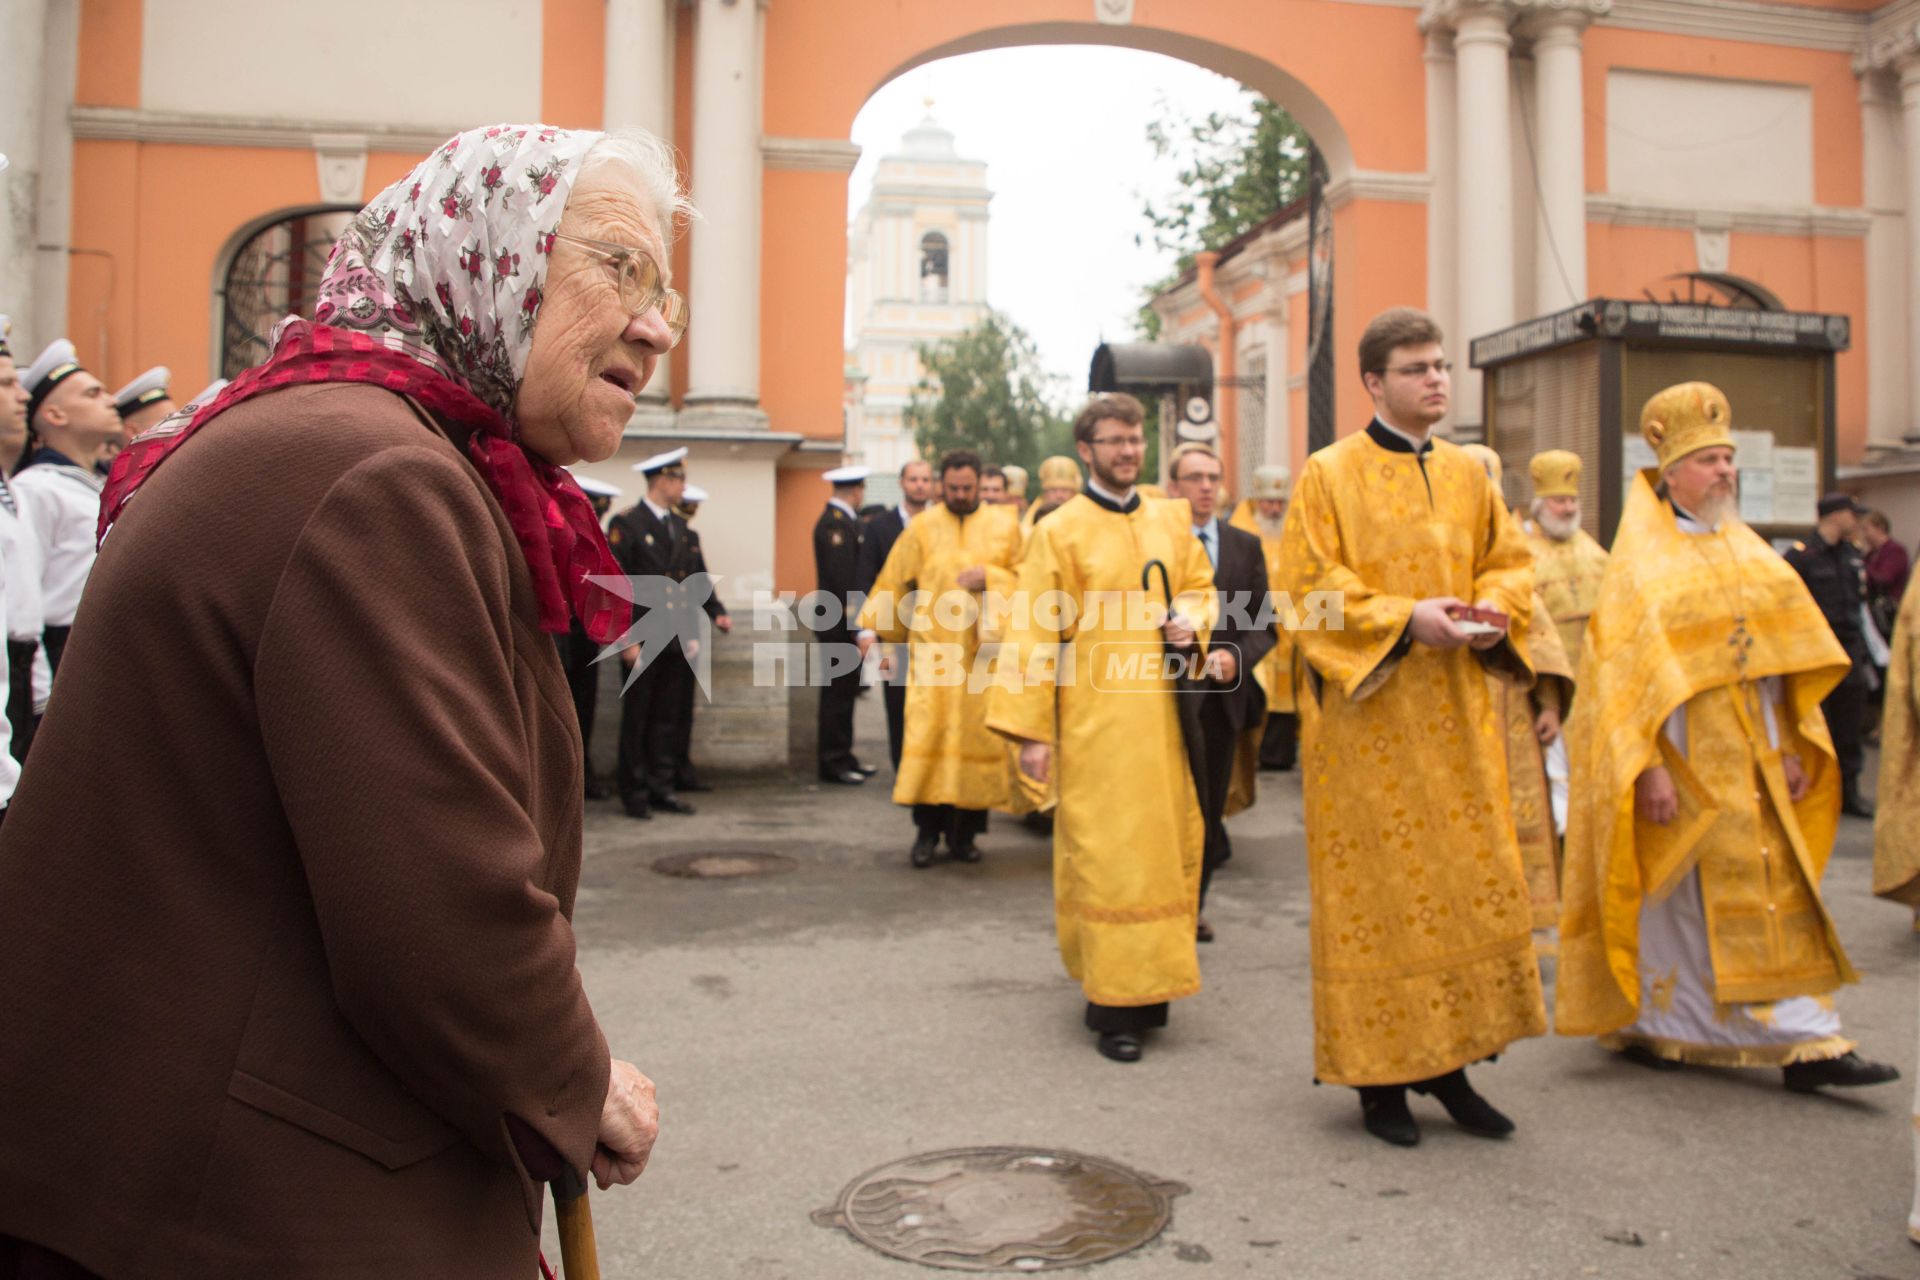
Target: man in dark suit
[916,490]
[652,542]
[1232,701]
[578,651]
[838,537]
[684,776]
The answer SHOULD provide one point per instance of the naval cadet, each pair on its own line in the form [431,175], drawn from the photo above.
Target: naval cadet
[1836,575]
[578,651]
[685,777]
[651,542]
[838,538]
[70,418]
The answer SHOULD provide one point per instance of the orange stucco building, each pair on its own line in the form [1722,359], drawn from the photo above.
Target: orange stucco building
[1489,159]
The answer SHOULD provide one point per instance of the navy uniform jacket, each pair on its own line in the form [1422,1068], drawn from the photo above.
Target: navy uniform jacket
[1836,577]
[837,542]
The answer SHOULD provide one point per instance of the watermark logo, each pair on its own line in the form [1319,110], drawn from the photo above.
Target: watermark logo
[972,639]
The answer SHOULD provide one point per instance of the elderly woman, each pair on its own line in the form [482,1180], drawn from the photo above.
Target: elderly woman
[296,995]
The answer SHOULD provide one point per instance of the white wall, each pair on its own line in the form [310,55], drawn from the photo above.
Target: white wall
[438,62]
[1698,141]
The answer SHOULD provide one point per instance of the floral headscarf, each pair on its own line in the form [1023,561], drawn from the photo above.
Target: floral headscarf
[432,292]
[454,255]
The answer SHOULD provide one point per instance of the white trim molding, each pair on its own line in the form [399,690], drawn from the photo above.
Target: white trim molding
[817,155]
[1371,184]
[125,124]
[1803,27]
[1621,211]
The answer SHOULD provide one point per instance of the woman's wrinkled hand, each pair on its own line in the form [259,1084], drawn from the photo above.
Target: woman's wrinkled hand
[629,1123]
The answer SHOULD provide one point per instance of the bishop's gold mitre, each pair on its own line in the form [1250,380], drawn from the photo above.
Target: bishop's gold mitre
[1272,484]
[1685,419]
[1556,474]
[1059,472]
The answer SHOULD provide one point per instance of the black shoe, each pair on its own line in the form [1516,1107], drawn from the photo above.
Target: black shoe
[673,804]
[1203,932]
[692,785]
[851,778]
[968,852]
[1853,803]
[636,809]
[1383,1109]
[1469,1110]
[866,770]
[925,847]
[1121,1046]
[598,790]
[1848,1071]
[1641,1056]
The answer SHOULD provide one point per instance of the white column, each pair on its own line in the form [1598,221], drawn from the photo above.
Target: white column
[1883,174]
[723,360]
[1910,116]
[1485,176]
[22,43]
[1279,423]
[1560,226]
[1443,198]
[639,95]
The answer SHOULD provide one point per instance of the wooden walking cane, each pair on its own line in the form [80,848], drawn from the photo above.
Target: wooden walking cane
[579,1255]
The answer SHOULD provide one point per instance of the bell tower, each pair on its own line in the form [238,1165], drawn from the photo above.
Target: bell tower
[916,274]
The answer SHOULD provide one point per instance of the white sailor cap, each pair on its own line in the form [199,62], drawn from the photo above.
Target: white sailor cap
[143,390]
[211,390]
[846,475]
[6,328]
[53,366]
[694,493]
[595,488]
[661,461]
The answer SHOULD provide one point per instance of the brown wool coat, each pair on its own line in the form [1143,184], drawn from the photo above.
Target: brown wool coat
[284,892]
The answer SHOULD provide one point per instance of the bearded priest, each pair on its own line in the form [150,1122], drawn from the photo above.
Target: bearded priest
[1115,598]
[1705,793]
[1423,957]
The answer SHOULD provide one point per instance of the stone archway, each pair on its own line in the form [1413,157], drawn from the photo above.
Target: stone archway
[1353,76]
[268,269]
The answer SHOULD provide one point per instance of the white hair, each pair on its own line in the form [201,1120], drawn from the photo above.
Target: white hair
[651,160]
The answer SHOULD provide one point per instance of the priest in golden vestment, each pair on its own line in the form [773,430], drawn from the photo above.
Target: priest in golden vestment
[1567,567]
[1127,833]
[1532,718]
[1896,820]
[1705,794]
[1264,514]
[1422,941]
[952,770]
[1896,823]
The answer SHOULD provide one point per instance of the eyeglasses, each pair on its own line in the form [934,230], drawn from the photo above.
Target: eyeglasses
[1442,367]
[1121,442]
[639,277]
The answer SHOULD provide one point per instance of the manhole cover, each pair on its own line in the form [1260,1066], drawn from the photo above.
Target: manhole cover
[723,864]
[1003,1209]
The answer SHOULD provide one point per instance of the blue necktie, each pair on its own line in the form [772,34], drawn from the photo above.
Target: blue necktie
[1206,540]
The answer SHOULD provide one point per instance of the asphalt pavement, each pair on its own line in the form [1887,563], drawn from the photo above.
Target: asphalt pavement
[808,1026]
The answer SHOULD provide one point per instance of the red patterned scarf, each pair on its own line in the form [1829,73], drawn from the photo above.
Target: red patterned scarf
[551,519]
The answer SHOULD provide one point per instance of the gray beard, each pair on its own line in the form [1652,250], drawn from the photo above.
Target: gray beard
[1270,526]
[1715,508]
[1557,529]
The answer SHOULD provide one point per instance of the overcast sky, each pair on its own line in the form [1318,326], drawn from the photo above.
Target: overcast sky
[1063,132]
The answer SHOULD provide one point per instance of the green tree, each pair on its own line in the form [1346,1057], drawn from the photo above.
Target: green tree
[1232,171]
[985,391]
